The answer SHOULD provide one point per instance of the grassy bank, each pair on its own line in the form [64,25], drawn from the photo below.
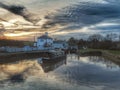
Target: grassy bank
[15,43]
[113,55]
[115,52]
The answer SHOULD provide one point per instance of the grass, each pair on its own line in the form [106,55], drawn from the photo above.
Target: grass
[89,50]
[28,43]
[115,52]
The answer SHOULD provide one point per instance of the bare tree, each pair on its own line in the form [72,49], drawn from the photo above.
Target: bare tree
[95,37]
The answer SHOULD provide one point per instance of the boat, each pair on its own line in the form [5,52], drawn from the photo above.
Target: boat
[55,55]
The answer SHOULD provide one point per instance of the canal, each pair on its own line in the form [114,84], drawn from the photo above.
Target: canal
[72,73]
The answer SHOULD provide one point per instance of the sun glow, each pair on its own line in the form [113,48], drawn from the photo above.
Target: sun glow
[6,24]
[19,34]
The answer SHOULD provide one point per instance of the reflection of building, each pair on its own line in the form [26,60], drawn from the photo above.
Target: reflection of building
[44,41]
[20,70]
[53,64]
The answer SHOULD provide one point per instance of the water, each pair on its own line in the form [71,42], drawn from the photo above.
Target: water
[72,73]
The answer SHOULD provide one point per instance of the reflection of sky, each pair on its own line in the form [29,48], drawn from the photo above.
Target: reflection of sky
[79,17]
[79,73]
[101,62]
[91,70]
[24,67]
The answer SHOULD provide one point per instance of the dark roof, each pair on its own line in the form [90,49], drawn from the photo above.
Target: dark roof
[44,37]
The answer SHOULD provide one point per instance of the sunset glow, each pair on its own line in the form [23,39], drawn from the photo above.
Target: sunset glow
[19,34]
[74,17]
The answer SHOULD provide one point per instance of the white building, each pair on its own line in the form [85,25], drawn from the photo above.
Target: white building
[60,44]
[44,41]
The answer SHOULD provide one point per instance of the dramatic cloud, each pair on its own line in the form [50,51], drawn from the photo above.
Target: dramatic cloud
[22,11]
[84,14]
[78,18]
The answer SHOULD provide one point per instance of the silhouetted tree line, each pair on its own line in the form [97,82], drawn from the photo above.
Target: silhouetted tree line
[13,43]
[97,41]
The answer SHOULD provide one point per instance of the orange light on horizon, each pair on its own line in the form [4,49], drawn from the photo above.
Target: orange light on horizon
[19,34]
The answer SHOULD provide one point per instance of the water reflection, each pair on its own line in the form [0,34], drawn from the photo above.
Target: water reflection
[91,69]
[100,61]
[51,65]
[19,70]
[75,72]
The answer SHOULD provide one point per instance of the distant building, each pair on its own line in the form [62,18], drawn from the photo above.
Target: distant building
[74,47]
[60,44]
[44,41]
[27,48]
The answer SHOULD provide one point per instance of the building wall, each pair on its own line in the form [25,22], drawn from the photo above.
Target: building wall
[42,42]
[56,45]
[60,45]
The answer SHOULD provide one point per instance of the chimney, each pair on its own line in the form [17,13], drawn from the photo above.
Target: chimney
[46,33]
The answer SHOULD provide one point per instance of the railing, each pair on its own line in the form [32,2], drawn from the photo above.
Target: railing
[15,49]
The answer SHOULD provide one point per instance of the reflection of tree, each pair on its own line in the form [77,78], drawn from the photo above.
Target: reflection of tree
[102,61]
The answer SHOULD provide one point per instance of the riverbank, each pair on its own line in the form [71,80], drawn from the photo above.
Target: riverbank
[112,55]
[12,57]
[8,57]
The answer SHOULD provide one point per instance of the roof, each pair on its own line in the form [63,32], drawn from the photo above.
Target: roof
[44,37]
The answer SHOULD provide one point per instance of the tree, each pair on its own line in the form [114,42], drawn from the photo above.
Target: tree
[95,38]
[72,41]
[111,37]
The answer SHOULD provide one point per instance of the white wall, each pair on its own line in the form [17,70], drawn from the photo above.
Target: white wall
[41,42]
[55,45]
[60,45]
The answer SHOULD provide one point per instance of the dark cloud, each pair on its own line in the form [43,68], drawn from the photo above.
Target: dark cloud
[22,11]
[109,28]
[14,9]
[74,17]
[84,14]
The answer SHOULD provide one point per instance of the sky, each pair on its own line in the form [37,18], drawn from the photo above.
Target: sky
[62,19]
